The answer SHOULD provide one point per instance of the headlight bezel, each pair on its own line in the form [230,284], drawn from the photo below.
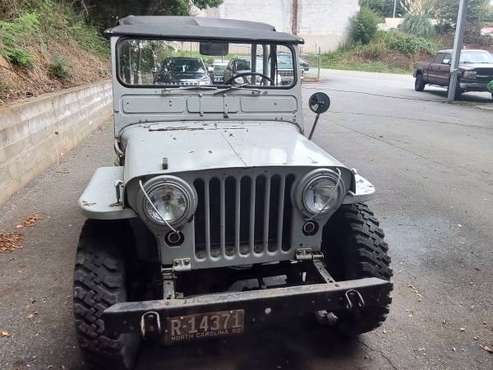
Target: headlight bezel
[336,179]
[179,184]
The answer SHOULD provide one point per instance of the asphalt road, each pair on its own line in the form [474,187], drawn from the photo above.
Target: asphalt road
[432,165]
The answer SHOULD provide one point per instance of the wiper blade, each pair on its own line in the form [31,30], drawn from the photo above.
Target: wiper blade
[187,88]
[240,87]
[197,88]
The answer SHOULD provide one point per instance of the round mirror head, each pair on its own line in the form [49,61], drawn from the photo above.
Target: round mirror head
[319,102]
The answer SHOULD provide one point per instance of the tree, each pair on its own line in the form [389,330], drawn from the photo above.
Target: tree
[388,8]
[445,11]
[364,26]
[106,13]
[418,17]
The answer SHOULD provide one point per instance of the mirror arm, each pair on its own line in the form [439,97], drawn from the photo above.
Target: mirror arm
[314,126]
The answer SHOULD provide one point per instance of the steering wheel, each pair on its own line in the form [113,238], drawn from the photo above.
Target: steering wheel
[244,74]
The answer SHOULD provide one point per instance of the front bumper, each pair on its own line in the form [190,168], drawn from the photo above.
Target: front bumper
[474,85]
[261,306]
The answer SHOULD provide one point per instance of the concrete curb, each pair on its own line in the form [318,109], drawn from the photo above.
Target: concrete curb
[36,133]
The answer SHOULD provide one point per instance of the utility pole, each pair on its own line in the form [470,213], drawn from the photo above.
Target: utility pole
[294,18]
[458,44]
[395,9]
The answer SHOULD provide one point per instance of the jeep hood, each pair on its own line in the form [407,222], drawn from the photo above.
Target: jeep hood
[195,146]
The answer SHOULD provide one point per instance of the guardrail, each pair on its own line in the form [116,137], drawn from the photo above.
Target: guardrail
[36,133]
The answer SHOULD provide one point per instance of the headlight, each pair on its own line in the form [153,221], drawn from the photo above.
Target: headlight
[470,75]
[205,80]
[172,199]
[320,192]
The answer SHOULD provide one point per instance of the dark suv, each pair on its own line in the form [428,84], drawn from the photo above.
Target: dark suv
[183,71]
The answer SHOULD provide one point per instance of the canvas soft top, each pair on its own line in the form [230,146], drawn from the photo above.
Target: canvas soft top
[199,28]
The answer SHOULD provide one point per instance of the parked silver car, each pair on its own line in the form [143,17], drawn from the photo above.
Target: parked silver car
[221,214]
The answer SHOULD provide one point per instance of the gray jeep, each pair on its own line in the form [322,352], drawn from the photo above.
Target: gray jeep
[220,215]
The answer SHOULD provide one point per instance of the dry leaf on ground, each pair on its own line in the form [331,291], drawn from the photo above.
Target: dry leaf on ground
[10,241]
[486,348]
[32,220]
[4,333]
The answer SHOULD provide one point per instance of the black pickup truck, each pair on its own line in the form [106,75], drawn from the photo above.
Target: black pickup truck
[476,71]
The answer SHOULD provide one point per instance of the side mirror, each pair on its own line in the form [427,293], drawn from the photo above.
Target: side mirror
[319,103]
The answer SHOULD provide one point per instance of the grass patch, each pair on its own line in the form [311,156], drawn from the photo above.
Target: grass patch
[44,21]
[13,36]
[61,22]
[46,45]
[59,69]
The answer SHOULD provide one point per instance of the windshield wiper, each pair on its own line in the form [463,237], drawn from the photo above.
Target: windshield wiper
[240,87]
[173,90]
[198,87]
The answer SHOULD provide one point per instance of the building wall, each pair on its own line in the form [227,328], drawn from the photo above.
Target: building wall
[325,23]
[322,23]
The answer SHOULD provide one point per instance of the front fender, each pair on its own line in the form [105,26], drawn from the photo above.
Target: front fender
[362,191]
[99,199]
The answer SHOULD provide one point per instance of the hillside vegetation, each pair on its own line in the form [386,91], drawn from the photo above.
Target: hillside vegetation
[46,45]
[427,25]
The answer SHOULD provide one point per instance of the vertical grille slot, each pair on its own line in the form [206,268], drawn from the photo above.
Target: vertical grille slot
[247,216]
[215,196]
[287,215]
[246,194]
[230,214]
[276,210]
[258,222]
[199,220]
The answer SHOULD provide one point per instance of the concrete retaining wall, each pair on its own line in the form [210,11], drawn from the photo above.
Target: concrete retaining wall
[37,133]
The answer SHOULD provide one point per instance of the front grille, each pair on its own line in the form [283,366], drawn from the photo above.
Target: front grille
[248,216]
[484,74]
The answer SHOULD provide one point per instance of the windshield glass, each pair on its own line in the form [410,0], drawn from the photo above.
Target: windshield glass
[145,63]
[476,57]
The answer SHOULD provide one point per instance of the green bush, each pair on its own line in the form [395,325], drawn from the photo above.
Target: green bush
[407,44]
[59,68]
[12,36]
[364,26]
[418,25]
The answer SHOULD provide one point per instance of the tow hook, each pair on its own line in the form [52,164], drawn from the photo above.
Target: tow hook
[150,325]
[354,300]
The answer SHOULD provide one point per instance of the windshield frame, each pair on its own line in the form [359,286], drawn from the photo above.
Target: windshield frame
[121,39]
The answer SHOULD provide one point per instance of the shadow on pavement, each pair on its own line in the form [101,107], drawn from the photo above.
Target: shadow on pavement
[472,97]
[276,347]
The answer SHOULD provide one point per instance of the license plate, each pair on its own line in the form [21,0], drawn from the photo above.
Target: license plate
[204,325]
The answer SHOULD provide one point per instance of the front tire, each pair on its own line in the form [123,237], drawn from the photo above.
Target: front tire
[419,82]
[354,248]
[100,282]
